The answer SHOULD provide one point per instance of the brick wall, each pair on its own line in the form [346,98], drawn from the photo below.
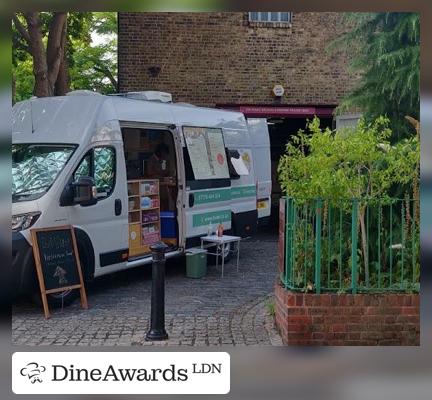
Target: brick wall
[346,319]
[220,58]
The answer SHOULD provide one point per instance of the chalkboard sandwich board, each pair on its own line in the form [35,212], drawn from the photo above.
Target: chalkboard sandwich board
[57,263]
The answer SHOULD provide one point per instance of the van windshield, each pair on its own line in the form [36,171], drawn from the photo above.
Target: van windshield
[35,167]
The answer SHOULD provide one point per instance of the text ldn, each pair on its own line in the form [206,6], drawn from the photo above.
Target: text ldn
[204,368]
[73,374]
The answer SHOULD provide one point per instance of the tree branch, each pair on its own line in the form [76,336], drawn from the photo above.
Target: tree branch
[108,74]
[20,28]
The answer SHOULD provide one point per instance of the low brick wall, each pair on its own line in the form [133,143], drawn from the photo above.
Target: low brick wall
[347,319]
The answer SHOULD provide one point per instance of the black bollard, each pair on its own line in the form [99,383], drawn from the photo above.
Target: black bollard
[157,323]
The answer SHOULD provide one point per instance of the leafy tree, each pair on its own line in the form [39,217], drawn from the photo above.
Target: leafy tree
[385,51]
[350,163]
[47,52]
[84,65]
[95,66]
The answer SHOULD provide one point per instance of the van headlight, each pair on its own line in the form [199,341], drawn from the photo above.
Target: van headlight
[24,221]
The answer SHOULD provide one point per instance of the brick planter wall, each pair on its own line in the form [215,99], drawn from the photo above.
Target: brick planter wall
[346,319]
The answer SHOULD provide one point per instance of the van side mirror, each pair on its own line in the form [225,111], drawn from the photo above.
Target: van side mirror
[82,192]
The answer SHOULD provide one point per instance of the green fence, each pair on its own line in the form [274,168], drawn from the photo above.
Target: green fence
[350,246]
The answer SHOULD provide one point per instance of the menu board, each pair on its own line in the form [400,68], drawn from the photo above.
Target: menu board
[207,152]
[57,262]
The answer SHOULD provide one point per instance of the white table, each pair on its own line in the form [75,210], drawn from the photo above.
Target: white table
[220,242]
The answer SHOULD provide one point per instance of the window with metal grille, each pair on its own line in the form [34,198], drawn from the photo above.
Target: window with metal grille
[271,17]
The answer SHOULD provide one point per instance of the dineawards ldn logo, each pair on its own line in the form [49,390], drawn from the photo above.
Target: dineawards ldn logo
[33,371]
[121,373]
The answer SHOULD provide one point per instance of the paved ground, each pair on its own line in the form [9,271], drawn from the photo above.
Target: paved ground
[199,312]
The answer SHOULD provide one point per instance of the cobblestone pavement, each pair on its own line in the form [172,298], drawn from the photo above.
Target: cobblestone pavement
[211,311]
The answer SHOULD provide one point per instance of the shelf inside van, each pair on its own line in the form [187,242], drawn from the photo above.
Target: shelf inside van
[141,218]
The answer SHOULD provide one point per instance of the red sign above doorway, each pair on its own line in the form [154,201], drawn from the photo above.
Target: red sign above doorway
[282,111]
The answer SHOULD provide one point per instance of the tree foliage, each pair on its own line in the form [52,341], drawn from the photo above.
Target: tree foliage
[358,162]
[95,66]
[47,49]
[86,65]
[385,51]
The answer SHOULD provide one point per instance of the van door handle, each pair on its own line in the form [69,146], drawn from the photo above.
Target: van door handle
[191,200]
[117,207]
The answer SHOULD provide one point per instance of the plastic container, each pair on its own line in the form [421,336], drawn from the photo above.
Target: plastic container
[196,263]
[168,224]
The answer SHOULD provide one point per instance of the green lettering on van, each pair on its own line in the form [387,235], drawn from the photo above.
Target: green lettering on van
[215,217]
[243,191]
[211,196]
[216,195]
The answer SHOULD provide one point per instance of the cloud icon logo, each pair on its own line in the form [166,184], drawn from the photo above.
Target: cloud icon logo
[32,371]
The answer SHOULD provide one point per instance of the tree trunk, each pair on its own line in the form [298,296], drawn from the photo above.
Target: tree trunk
[55,48]
[50,67]
[364,243]
[37,50]
[61,86]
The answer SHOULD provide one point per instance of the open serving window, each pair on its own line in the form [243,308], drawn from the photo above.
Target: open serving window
[206,151]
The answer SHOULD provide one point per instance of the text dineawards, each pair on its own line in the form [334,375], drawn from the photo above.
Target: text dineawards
[112,374]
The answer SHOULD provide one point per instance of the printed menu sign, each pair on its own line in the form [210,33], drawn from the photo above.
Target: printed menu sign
[207,152]
[57,262]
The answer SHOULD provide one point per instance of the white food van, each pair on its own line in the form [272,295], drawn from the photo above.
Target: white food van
[128,170]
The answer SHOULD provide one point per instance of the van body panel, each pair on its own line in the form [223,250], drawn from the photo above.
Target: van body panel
[206,117]
[261,153]
[91,120]
[66,119]
[213,206]
[130,110]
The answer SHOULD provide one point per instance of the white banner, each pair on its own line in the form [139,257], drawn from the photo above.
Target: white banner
[120,373]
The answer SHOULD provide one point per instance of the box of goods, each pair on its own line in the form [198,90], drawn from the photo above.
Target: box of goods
[146,202]
[150,216]
[168,224]
[155,203]
[133,203]
[150,238]
[150,228]
[145,188]
[134,235]
[154,188]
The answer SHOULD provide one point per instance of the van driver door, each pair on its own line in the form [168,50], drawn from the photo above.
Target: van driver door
[106,222]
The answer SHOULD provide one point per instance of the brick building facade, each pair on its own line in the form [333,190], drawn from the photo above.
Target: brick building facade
[215,59]
[229,60]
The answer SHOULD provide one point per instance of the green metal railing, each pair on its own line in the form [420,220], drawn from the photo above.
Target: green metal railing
[353,245]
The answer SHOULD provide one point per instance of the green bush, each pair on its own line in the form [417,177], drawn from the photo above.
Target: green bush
[354,163]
